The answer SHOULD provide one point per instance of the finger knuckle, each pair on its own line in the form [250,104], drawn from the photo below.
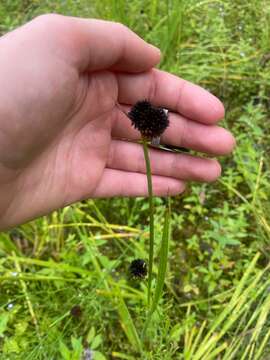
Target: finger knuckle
[49,19]
[54,29]
[121,27]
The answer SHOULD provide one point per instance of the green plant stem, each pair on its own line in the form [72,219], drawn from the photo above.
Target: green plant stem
[162,267]
[27,297]
[151,218]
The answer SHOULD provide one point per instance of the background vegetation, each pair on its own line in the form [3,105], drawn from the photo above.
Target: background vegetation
[64,287]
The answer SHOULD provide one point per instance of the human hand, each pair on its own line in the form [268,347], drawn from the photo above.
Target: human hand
[61,131]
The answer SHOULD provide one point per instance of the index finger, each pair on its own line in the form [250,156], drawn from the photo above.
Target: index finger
[99,44]
[169,91]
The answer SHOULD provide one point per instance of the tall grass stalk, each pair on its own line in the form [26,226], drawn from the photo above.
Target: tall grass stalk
[151,219]
[162,268]
[26,295]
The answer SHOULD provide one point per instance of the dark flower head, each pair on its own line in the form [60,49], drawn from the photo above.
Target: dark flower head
[76,311]
[138,269]
[150,120]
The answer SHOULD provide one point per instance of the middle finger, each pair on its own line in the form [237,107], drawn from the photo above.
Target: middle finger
[181,132]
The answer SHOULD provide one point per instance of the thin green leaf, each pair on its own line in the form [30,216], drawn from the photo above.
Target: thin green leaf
[128,324]
[264,343]
[192,349]
[64,351]
[51,264]
[164,250]
[118,355]
[151,219]
[235,308]
[99,356]
[8,244]
[216,352]
[4,317]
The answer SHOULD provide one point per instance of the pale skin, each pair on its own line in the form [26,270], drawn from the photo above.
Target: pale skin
[63,136]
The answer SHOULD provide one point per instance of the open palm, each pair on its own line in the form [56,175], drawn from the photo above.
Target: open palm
[63,137]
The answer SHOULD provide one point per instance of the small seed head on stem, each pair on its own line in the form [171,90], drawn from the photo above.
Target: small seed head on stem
[150,120]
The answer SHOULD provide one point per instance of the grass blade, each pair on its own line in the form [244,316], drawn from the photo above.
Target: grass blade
[196,341]
[9,245]
[119,355]
[235,308]
[264,343]
[151,219]
[164,250]
[51,264]
[128,324]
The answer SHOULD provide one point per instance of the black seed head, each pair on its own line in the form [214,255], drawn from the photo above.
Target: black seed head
[150,120]
[76,311]
[138,269]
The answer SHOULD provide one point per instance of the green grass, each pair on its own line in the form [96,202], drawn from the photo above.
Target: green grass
[216,299]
